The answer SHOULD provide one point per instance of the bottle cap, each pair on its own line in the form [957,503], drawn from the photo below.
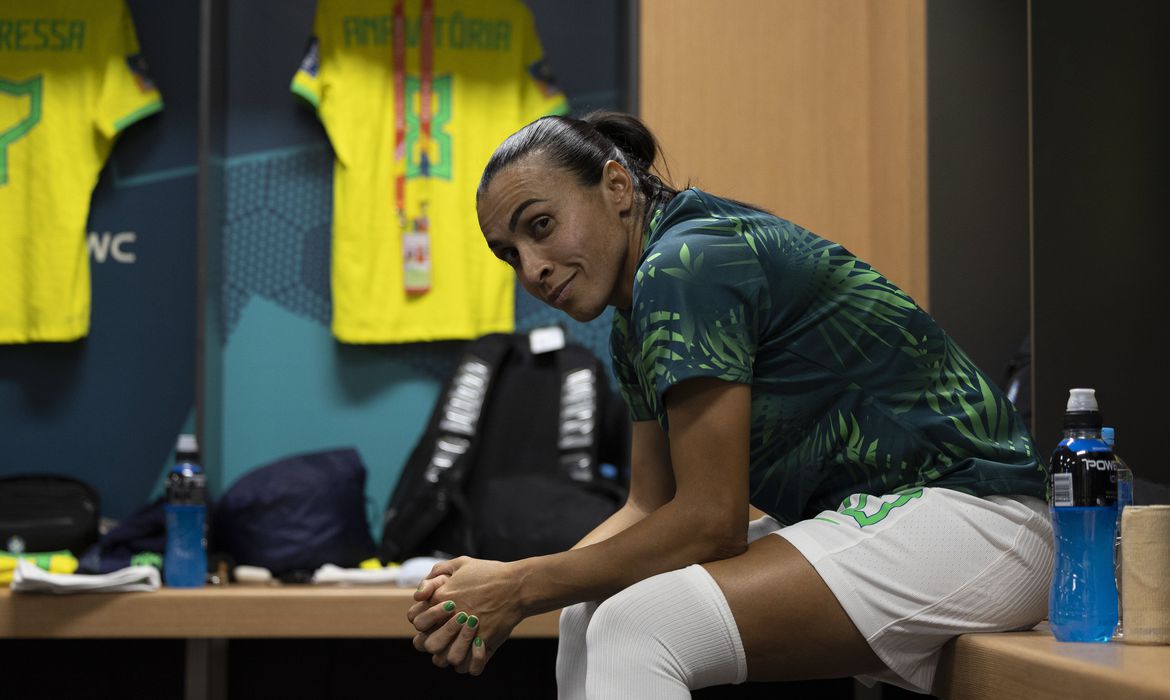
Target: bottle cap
[1109,435]
[1081,400]
[1082,412]
[187,448]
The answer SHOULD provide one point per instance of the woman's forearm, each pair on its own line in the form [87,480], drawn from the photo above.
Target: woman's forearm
[623,518]
[699,475]
[669,538]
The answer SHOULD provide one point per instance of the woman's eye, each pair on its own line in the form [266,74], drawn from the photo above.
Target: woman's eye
[510,256]
[540,225]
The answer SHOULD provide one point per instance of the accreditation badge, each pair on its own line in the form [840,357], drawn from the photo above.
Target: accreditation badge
[416,253]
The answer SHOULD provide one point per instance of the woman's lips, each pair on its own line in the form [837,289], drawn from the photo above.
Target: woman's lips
[561,294]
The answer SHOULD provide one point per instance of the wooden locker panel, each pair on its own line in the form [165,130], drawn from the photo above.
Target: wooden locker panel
[814,109]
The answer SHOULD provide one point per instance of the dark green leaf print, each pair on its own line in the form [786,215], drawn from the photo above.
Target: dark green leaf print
[855,389]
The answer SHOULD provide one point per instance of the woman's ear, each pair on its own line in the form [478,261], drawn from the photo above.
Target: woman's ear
[618,185]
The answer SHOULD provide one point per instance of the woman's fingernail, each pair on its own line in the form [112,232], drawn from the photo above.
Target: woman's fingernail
[418,589]
[449,605]
[461,618]
[472,621]
[478,642]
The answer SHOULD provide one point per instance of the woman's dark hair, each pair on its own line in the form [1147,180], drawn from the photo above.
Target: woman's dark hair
[583,146]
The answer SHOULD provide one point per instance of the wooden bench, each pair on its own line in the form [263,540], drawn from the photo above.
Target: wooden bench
[235,611]
[1029,665]
[1034,665]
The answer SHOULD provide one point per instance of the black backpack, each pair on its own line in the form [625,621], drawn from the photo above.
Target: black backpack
[524,454]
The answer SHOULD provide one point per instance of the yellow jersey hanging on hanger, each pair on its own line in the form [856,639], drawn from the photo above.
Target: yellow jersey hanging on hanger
[71,79]
[408,260]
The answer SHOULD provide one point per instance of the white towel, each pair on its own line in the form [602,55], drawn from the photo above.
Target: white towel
[29,578]
[408,574]
[414,570]
[331,573]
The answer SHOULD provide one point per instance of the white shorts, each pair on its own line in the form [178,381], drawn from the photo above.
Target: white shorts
[914,570]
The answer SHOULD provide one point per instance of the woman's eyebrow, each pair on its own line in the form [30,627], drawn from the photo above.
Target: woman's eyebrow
[519,209]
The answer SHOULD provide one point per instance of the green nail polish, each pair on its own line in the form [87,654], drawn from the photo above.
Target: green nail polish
[418,589]
[472,621]
[449,605]
[461,618]
[478,642]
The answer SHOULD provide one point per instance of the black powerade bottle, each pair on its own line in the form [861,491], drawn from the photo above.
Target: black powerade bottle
[1082,606]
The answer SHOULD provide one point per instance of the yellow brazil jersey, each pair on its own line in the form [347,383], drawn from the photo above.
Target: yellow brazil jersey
[488,79]
[71,78]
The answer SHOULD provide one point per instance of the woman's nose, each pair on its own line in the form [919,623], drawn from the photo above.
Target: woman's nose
[536,270]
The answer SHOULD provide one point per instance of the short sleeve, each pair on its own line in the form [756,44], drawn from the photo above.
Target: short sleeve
[315,80]
[541,96]
[127,93]
[623,367]
[697,297]
[307,81]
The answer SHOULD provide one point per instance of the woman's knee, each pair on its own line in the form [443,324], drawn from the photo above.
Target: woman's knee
[635,612]
[575,618]
[671,628]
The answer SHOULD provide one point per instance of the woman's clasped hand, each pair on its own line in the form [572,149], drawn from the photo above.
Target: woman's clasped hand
[463,612]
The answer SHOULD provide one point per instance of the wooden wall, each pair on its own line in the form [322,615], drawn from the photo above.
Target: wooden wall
[814,109]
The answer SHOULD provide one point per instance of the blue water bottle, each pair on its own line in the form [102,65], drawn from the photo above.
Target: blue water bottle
[1124,498]
[185,557]
[1082,606]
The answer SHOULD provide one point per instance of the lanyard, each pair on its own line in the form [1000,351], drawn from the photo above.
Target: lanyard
[426,69]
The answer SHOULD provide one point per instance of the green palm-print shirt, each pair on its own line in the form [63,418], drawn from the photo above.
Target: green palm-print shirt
[855,389]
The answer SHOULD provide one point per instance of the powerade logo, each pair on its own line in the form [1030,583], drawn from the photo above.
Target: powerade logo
[1103,465]
[116,247]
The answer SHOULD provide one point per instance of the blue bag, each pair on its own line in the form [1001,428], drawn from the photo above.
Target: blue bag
[296,514]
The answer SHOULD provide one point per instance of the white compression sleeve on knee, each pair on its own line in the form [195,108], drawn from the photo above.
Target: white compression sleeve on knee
[571,651]
[662,638]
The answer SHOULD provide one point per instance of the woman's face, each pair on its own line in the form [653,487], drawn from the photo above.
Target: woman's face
[569,244]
